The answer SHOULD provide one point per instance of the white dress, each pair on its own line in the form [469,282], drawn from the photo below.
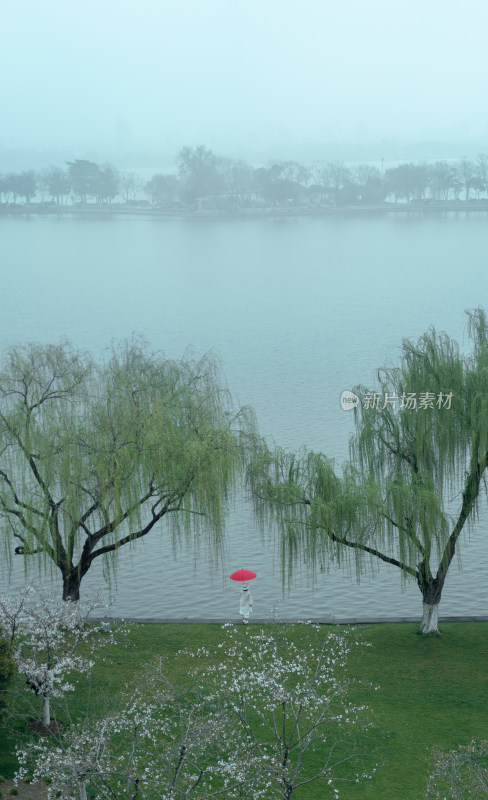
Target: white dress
[246,602]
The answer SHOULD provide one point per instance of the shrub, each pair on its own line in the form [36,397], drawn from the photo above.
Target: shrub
[7,671]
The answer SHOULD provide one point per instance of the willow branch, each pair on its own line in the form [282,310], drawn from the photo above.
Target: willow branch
[17,501]
[131,536]
[46,547]
[372,551]
[470,494]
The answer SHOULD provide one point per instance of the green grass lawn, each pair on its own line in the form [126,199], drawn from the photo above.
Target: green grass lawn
[433,690]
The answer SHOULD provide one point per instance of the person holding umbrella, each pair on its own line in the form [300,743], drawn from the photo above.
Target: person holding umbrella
[245,606]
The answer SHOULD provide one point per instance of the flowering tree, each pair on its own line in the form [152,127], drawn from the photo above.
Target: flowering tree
[461,774]
[291,704]
[269,717]
[159,744]
[46,636]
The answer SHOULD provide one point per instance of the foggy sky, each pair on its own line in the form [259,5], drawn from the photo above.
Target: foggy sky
[130,74]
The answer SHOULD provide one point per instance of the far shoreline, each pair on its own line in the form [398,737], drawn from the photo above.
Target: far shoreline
[418,209]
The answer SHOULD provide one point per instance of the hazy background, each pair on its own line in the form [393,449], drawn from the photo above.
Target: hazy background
[135,81]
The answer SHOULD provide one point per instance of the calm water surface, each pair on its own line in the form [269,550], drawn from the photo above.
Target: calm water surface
[297,310]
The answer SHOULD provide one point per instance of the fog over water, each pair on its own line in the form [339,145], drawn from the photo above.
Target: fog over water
[297,310]
[255,79]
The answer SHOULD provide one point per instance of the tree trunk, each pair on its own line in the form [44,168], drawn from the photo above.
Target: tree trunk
[431,596]
[83,790]
[71,585]
[46,711]
[430,618]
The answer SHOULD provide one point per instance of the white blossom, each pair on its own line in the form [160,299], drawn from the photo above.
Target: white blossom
[271,705]
[158,743]
[51,640]
[290,702]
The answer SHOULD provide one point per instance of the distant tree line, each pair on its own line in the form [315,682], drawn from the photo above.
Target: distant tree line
[206,181]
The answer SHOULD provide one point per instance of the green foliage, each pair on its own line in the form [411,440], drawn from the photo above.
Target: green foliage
[393,501]
[7,671]
[93,456]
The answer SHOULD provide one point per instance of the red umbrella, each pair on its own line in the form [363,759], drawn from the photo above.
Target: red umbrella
[242,575]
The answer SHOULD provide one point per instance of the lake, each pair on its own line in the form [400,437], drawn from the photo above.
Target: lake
[297,310]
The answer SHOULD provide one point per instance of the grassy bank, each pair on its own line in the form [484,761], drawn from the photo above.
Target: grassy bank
[433,690]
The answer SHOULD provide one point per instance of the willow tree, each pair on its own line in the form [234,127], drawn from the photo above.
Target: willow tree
[94,456]
[413,483]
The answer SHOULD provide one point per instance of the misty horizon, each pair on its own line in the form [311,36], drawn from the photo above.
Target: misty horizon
[382,152]
[253,81]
